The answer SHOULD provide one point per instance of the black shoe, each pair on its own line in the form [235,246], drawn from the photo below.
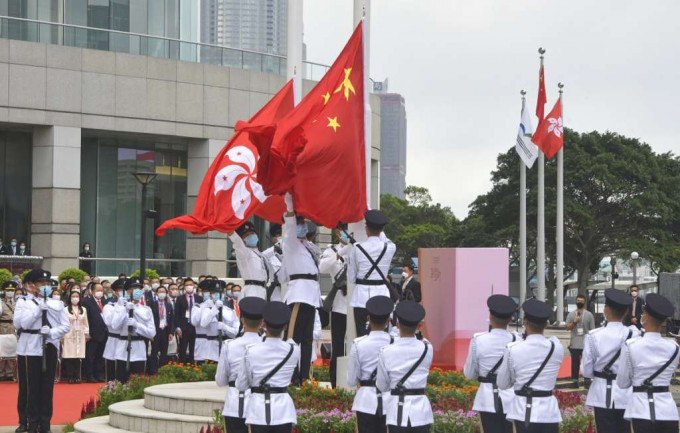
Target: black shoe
[21,429]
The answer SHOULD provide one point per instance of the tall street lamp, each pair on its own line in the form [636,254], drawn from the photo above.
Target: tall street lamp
[634,257]
[145,178]
[613,263]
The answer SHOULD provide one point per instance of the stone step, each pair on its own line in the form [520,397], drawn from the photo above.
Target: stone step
[98,424]
[133,416]
[198,398]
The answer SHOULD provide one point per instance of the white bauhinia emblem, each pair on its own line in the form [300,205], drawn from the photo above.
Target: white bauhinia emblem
[235,177]
[555,126]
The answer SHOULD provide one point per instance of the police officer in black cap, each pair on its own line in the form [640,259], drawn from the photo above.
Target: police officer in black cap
[484,359]
[403,368]
[647,365]
[7,333]
[369,265]
[252,265]
[362,367]
[113,338]
[601,352]
[530,367]
[267,370]
[41,322]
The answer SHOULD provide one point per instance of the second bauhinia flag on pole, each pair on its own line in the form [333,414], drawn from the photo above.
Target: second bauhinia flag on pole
[549,136]
[317,151]
[230,192]
[526,150]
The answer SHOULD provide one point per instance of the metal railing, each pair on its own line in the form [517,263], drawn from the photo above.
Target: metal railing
[18,264]
[148,45]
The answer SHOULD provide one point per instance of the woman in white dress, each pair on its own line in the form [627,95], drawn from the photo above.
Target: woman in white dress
[74,341]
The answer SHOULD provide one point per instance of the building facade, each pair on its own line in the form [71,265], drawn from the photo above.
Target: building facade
[392,144]
[79,116]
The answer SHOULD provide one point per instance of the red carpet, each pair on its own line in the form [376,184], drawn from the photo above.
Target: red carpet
[68,401]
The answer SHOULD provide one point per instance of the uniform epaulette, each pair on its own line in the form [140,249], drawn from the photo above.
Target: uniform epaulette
[555,339]
[358,339]
[593,331]
[632,340]
[477,334]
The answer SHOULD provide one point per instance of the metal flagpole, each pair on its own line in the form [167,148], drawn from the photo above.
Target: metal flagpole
[560,224]
[294,48]
[540,238]
[522,224]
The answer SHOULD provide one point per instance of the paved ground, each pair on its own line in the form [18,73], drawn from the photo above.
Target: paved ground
[55,429]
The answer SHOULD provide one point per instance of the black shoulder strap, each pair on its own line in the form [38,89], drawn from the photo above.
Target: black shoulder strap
[316,260]
[264,263]
[374,264]
[413,368]
[659,371]
[342,260]
[500,361]
[617,354]
[276,369]
[540,369]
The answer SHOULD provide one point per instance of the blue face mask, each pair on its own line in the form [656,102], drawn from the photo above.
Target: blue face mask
[252,240]
[216,296]
[301,231]
[45,291]
[344,238]
[137,294]
[228,293]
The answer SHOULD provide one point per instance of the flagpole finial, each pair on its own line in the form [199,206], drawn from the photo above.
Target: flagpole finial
[522,92]
[541,51]
[294,70]
[363,11]
[560,86]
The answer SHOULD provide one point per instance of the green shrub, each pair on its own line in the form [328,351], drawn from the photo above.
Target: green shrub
[23,274]
[75,273]
[150,274]
[5,275]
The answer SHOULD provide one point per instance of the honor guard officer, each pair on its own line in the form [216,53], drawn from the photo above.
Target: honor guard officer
[41,323]
[484,359]
[402,371]
[369,265]
[602,350]
[304,294]
[267,370]
[362,367]
[134,324]
[531,367]
[113,339]
[217,323]
[8,338]
[647,364]
[231,363]
[252,265]
[274,255]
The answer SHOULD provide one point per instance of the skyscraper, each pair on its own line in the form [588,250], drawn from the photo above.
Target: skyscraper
[392,144]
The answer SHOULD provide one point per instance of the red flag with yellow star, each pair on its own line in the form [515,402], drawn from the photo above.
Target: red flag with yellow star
[317,151]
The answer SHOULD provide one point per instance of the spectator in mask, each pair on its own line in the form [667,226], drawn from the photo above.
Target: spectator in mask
[165,326]
[75,340]
[93,368]
[23,251]
[13,249]
[56,294]
[86,265]
[635,317]
[579,322]
[4,249]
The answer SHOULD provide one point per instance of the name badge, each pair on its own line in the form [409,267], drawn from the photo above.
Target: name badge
[579,331]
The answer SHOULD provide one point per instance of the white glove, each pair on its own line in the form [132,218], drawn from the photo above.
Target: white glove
[288,198]
[208,303]
[43,306]
[121,301]
[130,306]
[45,330]
[221,327]
[218,304]
[132,322]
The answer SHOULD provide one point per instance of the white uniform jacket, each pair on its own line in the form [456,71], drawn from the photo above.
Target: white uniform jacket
[641,358]
[253,266]
[394,361]
[331,265]
[520,362]
[209,313]
[108,312]
[258,361]
[363,361]
[228,368]
[143,329]
[298,259]
[601,345]
[28,317]
[486,349]
[276,264]
[359,268]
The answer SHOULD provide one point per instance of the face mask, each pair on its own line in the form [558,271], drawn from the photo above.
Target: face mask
[162,296]
[301,231]
[120,295]
[86,249]
[147,288]
[580,305]
[634,294]
[98,294]
[252,240]
[165,285]
[216,296]
[45,291]
[56,297]
[173,293]
[404,274]
[74,300]
[344,238]
[155,286]
[109,296]
[229,295]
[189,289]
[137,294]
[236,295]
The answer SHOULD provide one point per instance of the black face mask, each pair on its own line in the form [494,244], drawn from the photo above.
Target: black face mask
[580,304]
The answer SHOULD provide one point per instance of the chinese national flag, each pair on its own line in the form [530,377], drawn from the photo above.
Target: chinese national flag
[549,135]
[317,151]
[541,99]
[230,193]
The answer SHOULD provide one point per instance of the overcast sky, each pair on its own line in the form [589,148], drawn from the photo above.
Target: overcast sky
[460,65]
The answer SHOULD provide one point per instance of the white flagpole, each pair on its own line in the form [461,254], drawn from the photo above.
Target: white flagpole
[522,224]
[560,225]
[540,238]
[294,48]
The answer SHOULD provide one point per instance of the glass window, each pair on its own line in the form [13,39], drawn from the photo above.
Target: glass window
[120,20]
[15,186]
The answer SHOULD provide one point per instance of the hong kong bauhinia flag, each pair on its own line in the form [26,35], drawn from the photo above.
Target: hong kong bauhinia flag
[230,192]
[549,136]
[317,151]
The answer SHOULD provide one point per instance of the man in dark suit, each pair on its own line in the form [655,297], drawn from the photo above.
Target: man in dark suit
[183,327]
[4,249]
[13,249]
[163,318]
[93,368]
[23,251]
[636,308]
[410,287]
